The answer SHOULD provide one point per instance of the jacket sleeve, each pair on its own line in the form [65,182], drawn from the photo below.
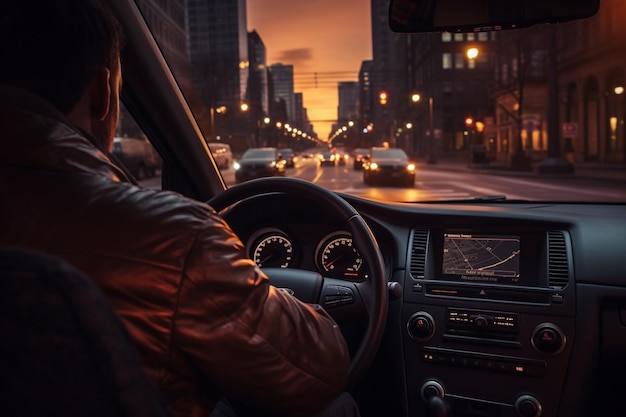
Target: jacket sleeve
[256,343]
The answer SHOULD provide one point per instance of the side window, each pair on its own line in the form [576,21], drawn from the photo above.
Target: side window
[134,151]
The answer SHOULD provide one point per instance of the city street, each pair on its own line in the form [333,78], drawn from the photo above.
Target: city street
[454,180]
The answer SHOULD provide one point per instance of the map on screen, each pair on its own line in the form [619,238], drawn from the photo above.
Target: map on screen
[482,258]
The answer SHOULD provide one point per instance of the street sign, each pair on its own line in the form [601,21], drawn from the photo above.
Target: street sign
[570,130]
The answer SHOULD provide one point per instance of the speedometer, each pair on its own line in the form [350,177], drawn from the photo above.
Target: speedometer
[337,257]
[271,248]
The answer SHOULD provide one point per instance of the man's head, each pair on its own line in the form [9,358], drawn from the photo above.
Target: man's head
[67,52]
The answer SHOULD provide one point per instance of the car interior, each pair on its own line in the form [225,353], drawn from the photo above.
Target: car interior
[545,335]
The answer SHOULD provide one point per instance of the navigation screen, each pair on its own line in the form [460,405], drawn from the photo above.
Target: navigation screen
[481,258]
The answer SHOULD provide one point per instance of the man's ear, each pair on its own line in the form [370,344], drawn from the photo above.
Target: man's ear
[100,97]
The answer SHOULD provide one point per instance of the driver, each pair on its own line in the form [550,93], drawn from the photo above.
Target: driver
[206,321]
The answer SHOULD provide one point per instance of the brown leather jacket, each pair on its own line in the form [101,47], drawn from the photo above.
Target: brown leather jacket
[206,320]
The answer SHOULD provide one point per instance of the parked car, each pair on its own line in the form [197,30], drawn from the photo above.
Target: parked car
[388,166]
[288,155]
[138,156]
[357,157]
[259,162]
[222,154]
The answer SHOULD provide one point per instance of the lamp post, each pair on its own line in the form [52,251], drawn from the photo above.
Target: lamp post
[432,159]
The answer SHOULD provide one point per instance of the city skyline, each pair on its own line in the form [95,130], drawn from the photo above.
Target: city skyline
[325,49]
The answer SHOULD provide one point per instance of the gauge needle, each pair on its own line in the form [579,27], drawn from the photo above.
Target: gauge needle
[329,264]
[266,259]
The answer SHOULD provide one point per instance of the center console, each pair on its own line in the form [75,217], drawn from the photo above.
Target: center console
[488,317]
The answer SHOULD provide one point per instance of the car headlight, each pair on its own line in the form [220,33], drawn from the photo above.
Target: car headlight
[236,166]
[373,165]
[272,164]
[410,167]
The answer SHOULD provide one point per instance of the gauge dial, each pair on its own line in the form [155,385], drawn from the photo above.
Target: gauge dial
[271,249]
[339,258]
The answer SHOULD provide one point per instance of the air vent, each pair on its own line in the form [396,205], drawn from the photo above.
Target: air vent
[558,270]
[418,253]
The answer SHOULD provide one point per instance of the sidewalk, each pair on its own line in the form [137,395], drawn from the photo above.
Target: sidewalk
[611,172]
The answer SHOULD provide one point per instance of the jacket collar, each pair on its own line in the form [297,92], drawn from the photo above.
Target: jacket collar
[35,135]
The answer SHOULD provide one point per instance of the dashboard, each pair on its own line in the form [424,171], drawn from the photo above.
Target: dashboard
[505,309]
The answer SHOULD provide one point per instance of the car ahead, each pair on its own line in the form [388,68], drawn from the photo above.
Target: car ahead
[357,157]
[222,154]
[138,156]
[327,157]
[288,155]
[342,155]
[455,299]
[388,166]
[259,162]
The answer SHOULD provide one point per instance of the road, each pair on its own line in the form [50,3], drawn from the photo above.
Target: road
[440,182]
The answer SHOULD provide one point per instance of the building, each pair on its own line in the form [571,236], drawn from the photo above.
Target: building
[218,53]
[388,73]
[257,91]
[283,88]
[366,98]
[592,79]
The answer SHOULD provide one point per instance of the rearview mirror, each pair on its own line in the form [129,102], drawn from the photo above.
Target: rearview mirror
[412,16]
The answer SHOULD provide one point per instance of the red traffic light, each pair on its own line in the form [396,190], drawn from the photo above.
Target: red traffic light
[469,121]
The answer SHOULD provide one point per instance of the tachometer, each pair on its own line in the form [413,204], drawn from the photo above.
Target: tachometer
[337,257]
[271,248]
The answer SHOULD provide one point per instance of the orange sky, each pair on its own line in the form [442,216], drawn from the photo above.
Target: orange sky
[329,38]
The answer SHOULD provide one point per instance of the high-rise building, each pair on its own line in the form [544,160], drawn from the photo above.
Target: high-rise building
[388,74]
[366,96]
[348,99]
[218,51]
[257,93]
[283,88]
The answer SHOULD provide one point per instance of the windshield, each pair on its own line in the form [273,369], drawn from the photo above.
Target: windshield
[534,114]
[388,153]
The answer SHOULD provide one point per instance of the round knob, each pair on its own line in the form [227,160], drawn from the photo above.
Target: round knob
[421,326]
[528,406]
[548,339]
[481,322]
[432,389]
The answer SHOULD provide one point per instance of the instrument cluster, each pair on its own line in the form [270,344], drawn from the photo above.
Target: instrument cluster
[335,255]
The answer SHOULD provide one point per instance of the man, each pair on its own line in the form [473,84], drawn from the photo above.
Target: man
[205,320]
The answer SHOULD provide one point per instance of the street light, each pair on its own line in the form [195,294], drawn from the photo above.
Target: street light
[472,53]
[432,159]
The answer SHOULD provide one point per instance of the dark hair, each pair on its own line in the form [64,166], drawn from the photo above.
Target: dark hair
[53,47]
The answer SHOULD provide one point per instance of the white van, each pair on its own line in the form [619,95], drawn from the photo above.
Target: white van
[222,154]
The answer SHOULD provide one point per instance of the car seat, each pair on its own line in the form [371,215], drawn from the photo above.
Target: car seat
[64,351]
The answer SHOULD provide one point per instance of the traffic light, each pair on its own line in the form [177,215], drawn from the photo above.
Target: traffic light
[469,122]
[383,97]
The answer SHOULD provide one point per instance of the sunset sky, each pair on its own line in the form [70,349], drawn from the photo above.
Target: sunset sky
[325,41]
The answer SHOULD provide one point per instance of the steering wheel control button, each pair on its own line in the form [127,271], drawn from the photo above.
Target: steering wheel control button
[548,338]
[337,295]
[421,326]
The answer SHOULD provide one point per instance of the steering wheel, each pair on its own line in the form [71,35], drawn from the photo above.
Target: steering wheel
[342,299]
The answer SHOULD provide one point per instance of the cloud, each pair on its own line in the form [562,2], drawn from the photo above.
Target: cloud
[294,56]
